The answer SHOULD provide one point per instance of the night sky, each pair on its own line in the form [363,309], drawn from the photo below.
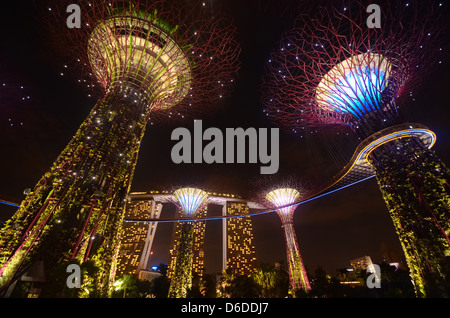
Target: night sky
[331,230]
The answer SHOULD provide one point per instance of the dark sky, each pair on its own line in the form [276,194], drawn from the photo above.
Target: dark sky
[331,230]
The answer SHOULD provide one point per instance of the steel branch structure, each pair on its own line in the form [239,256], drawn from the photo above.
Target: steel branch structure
[189,200]
[144,58]
[333,69]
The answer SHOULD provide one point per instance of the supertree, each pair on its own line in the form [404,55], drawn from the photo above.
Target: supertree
[146,57]
[189,201]
[335,68]
[273,193]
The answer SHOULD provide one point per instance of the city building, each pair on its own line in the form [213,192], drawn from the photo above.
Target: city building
[148,274]
[137,236]
[361,263]
[239,254]
[238,249]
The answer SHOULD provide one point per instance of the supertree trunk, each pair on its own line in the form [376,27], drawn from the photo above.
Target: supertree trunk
[190,200]
[297,273]
[182,277]
[145,58]
[415,186]
[283,196]
[74,212]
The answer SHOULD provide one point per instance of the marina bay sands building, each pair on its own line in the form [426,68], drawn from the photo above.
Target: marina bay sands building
[198,243]
[138,233]
[239,255]
[137,237]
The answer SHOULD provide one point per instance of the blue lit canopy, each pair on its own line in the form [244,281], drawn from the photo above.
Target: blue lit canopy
[190,199]
[354,86]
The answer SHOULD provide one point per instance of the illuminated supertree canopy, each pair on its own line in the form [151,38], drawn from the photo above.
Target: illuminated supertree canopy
[281,197]
[189,200]
[173,53]
[334,69]
[144,57]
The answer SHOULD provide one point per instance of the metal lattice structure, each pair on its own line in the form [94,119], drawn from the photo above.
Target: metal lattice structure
[333,69]
[297,272]
[282,194]
[142,58]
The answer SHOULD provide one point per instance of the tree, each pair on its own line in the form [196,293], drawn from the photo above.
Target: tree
[273,281]
[238,286]
[144,288]
[244,286]
[209,286]
[127,284]
[160,287]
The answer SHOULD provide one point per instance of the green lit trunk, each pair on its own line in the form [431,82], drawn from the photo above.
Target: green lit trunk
[415,186]
[181,279]
[297,272]
[75,211]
